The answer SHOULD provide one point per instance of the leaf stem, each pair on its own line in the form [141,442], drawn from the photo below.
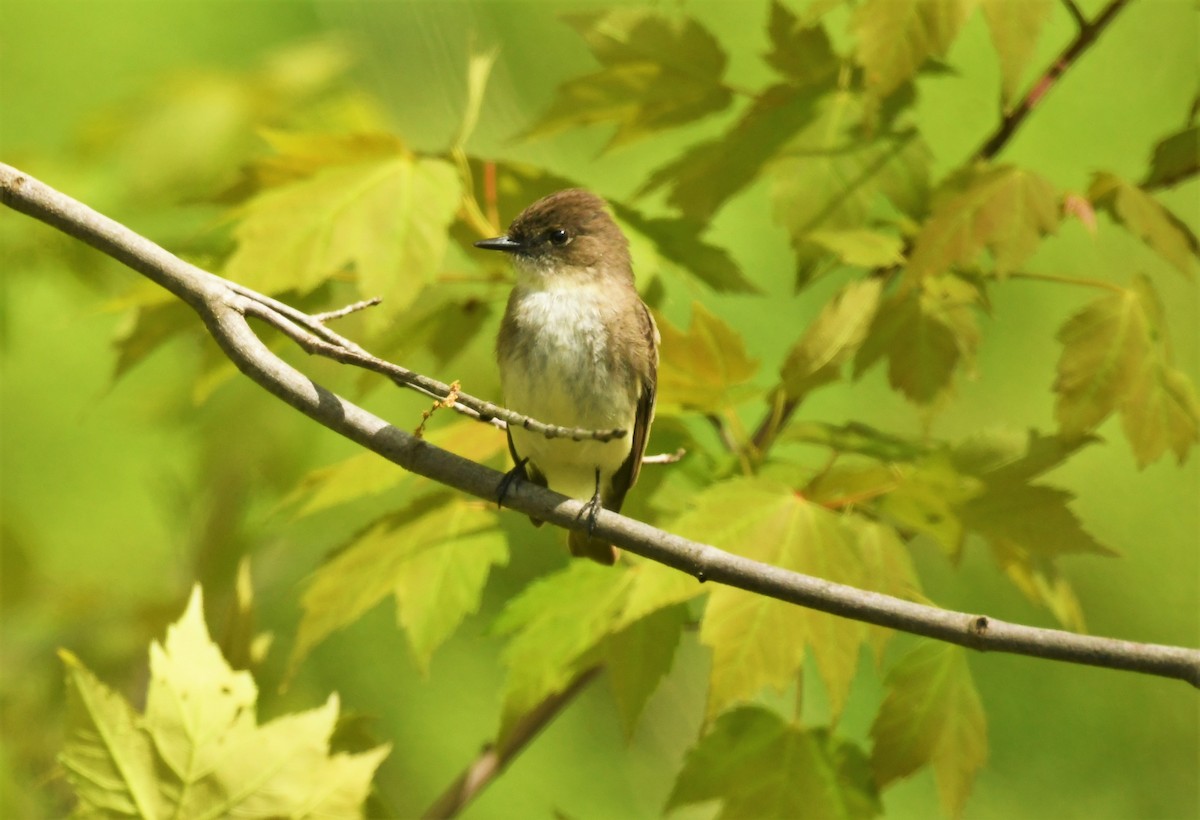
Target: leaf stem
[1066,280]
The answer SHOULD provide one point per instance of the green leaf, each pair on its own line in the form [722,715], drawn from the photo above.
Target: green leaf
[386,216]
[758,766]
[1175,159]
[108,757]
[639,657]
[366,474]
[1148,220]
[656,72]
[888,568]
[1039,580]
[896,37]
[801,52]
[555,624]
[757,641]
[931,715]
[1005,209]
[927,331]
[433,558]
[706,367]
[1034,517]
[855,437]
[479,69]
[710,173]
[678,241]
[1116,356]
[861,247]
[1015,26]
[199,751]
[829,179]
[832,338]
[927,497]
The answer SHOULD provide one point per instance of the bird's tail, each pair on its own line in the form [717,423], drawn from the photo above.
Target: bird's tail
[584,546]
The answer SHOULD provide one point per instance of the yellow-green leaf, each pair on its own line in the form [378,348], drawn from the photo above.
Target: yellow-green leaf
[1005,209]
[927,331]
[759,766]
[383,217]
[433,558]
[638,657]
[800,51]
[556,623]
[861,247]
[1176,158]
[199,751]
[679,242]
[1015,26]
[704,368]
[1116,356]
[756,641]
[932,716]
[832,338]
[895,37]
[656,72]
[1148,220]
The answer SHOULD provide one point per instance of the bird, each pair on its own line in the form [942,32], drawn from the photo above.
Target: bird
[577,347]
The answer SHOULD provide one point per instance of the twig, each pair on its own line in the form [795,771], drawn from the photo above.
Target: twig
[665,458]
[1076,14]
[1084,39]
[346,311]
[224,309]
[495,759]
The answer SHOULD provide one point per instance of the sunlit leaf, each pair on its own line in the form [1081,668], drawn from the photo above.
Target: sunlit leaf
[927,331]
[1015,26]
[888,568]
[1116,357]
[758,766]
[855,437]
[479,68]
[895,37]
[861,247]
[756,641]
[384,217]
[705,367]
[638,657]
[1175,159]
[832,338]
[433,558]
[199,750]
[927,497]
[707,175]
[1005,209]
[1039,580]
[656,72]
[932,716]
[366,474]
[555,625]
[1148,220]
[679,242]
[800,51]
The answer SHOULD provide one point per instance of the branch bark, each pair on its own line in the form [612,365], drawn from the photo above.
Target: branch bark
[224,307]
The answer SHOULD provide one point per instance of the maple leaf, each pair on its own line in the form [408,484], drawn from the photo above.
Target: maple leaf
[678,242]
[1005,209]
[1116,357]
[656,72]
[896,37]
[704,368]
[759,642]
[380,211]
[799,51]
[198,751]
[832,338]
[931,715]
[639,656]
[927,331]
[433,557]
[759,766]
[1146,218]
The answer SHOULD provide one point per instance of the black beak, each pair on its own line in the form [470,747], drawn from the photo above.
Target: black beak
[500,243]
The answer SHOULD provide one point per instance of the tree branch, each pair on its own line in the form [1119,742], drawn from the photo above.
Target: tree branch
[1085,39]
[223,307]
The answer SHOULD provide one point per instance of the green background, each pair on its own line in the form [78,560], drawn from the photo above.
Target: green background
[116,497]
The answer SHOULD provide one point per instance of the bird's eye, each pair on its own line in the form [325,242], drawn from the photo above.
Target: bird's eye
[558,236]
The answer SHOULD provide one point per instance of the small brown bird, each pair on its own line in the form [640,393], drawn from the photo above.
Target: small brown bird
[577,348]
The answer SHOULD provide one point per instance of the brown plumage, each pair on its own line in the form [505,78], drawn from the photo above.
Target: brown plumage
[578,348]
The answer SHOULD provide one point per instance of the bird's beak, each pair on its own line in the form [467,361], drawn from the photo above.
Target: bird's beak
[500,243]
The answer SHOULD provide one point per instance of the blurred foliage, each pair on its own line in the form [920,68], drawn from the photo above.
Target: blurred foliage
[861,313]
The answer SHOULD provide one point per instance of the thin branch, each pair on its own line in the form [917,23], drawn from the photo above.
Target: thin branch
[493,760]
[1076,13]
[1085,39]
[329,315]
[224,309]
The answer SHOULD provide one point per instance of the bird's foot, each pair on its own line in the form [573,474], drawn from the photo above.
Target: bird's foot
[517,473]
[592,507]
